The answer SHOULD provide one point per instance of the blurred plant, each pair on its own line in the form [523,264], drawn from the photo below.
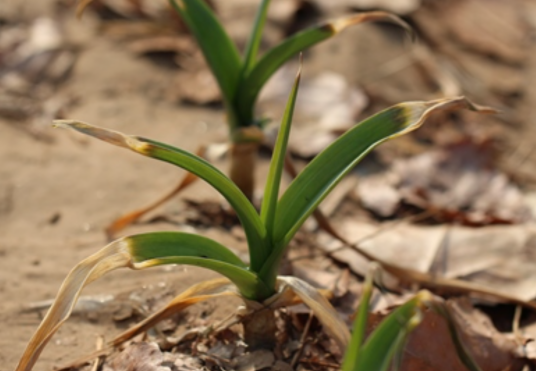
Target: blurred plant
[385,344]
[267,234]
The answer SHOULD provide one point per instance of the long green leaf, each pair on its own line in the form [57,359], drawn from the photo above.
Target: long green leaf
[159,248]
[379,349]
[253,227]
[256,35]
[322,174]
[271,191]
[360,324]
[219,51]
[251,85]
[156,245]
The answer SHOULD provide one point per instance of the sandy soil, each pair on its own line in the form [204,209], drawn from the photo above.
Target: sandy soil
[56,198]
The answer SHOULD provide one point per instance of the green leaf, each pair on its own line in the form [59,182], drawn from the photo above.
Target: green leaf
[253,227]
[164,244]
[251,85]
[219,51]
[389,337]
[325,171]
[256,35]
[152,249]
[271,191]
[360,324]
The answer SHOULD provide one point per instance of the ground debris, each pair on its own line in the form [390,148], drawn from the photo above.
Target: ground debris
[35,59]
[148,357]
[457,183]
[492,350]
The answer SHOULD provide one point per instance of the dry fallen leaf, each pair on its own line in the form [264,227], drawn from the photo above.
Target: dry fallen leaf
[457,183]
[501,259]
[430,347]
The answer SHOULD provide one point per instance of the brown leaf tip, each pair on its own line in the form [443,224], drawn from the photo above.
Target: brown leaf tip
[110,136]
[340,24]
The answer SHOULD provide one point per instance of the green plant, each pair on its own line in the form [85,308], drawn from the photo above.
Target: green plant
[385,344]
[241,77]
[268,234]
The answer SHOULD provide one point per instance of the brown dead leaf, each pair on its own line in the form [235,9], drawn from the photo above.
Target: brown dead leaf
[430,347]
[457,183]
[499,259]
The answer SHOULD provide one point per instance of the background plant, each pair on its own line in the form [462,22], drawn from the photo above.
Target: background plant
[268,234]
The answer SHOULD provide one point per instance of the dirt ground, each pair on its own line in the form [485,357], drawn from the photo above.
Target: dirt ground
[59,190]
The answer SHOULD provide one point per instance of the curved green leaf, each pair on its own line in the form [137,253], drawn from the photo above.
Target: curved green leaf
[159,248]
[253,227]
[219,51]
[251,85]
[156,245]
[323,173]
[256,35]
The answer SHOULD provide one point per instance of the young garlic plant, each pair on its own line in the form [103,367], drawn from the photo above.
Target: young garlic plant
[267,234]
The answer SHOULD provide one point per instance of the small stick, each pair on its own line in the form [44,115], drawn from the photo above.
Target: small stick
[298,354]
[99,359]
[515,324]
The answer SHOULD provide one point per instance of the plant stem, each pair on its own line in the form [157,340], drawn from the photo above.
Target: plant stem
[243,158]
